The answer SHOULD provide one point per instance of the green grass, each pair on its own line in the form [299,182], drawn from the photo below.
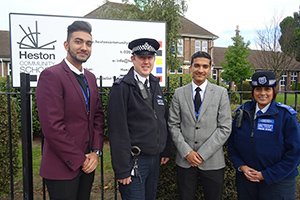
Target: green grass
[290,100]
[36,161]
[37,180]
[37,156]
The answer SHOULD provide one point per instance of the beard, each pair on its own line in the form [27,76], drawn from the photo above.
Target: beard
[79,60]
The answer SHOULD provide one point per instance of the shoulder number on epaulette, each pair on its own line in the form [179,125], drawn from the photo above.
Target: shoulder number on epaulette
[119,79]
[288,108]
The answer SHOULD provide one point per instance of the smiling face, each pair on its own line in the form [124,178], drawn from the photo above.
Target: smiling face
[143,65]
[79,48]
[263,96]
[200,70]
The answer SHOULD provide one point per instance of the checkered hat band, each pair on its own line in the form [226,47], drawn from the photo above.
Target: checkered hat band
[144,47]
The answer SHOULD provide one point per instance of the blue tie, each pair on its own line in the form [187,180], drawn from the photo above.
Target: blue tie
[259,113]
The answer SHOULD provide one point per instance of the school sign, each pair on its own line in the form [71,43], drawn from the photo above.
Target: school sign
[37,43]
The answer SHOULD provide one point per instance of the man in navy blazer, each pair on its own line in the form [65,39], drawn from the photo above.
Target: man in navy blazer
[71,118]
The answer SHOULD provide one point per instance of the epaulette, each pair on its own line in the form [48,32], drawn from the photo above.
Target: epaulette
[237,108]
[119,79]
[288,108]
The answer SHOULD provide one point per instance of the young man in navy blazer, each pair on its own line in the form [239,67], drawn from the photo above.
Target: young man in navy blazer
[71,118]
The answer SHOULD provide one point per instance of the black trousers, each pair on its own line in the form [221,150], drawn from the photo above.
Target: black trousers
[211,180]
[78,188]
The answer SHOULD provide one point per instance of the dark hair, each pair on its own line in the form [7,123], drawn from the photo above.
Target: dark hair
[201,54]
[79,26]
[274,92]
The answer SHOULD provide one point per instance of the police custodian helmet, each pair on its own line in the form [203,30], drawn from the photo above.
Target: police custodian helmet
[263,79]
[144,47]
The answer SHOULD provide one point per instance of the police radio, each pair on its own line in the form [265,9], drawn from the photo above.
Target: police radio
[239,117]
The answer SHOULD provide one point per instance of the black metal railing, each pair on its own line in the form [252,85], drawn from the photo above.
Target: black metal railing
[26,129]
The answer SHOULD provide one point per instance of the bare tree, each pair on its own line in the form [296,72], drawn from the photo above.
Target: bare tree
[270,56]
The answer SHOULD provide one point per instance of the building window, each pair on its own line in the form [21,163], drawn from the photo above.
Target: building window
[293,77]
[197,45]
[180,47]
[172,71]
[214,75]
[283,79]
[204,46]
[179,71]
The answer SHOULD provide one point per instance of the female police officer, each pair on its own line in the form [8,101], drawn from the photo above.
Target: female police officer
[264,145]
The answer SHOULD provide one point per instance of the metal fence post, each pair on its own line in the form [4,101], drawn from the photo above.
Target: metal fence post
[101,158]
[10,138]
[285,91]
[296,94]
[241,89]
[26,137]
[115,180]
[168,92]
[229,89]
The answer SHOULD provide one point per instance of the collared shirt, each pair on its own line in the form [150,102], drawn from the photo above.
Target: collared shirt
[138,77]
[73,69]
[82,82]
[262,110]
[202,87]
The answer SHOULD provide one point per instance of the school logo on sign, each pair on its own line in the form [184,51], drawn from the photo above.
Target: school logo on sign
[31,40]
[34,55]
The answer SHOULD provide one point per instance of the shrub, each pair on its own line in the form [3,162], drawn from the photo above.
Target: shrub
[104,101]
[187,78]
[5,145]
[246,87]
[36,127]
[294,86]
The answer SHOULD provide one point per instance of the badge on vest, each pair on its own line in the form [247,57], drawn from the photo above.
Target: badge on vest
[160,100]
[265,125]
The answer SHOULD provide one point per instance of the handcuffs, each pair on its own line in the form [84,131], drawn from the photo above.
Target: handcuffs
[135,151]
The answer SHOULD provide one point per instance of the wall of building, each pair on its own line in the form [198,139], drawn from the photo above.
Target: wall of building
[4,68]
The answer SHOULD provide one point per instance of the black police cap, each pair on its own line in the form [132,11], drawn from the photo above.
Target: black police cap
[144,46]
[263,79]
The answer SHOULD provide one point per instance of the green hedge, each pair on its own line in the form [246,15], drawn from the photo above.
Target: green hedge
[294,86]
[36,127]
[4,143]
[246,87]
[187,78]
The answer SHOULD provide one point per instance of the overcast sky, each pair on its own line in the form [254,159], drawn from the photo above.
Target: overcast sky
[219,17]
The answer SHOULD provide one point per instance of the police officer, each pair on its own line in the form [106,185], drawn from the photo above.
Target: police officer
[264,145]
[137,128]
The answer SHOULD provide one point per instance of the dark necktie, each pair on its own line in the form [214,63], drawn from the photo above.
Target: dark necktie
[197,99]
[149,99]
[82,83]
[148,89]
[259,113]
[146,84]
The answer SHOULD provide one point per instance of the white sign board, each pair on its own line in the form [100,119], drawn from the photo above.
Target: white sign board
[37,43]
